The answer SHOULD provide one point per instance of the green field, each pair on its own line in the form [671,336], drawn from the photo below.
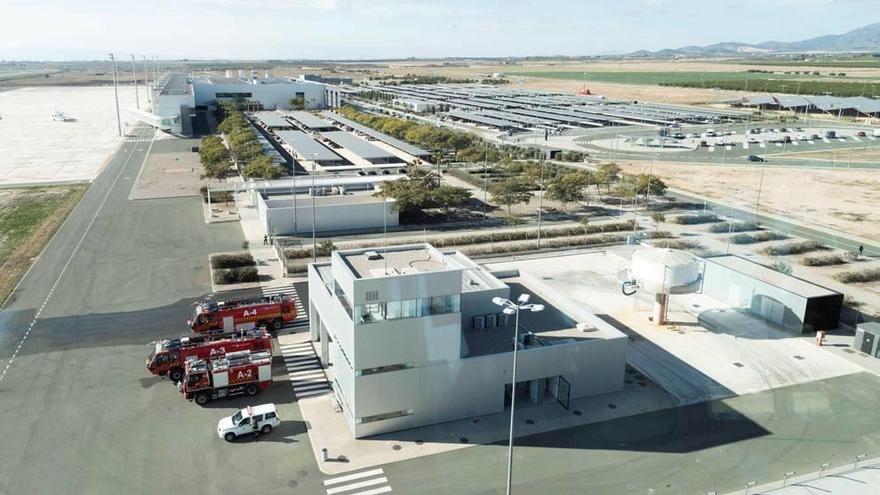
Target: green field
[833,88]
[670,77]
[28,219]
[856,63]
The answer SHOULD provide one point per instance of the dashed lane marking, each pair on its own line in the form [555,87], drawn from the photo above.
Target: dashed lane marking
[64,268]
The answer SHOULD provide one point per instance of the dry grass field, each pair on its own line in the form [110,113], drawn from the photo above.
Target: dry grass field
[844,200]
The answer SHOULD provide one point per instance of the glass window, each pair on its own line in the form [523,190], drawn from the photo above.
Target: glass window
[393,310]
[410,308]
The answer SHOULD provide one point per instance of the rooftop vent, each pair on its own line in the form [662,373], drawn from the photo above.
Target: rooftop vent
[372,255]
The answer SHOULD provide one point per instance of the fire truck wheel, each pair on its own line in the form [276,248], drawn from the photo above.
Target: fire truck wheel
[176,374]
[266,429]
[251,389]
[229,437]
[202,398]
[262,324]
[277,323]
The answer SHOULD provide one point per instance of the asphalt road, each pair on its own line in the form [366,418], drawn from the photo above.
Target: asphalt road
[78,411]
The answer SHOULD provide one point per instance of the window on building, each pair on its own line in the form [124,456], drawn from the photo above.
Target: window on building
[410,308]
[380,417]
[383,369]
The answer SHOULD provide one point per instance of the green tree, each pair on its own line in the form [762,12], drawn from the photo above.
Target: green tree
[512,191]
[410,194]
[298,103]
[606,174]
[567,187]
[448,196]
[649,184]
[658,218]
[261,167]
[326,247]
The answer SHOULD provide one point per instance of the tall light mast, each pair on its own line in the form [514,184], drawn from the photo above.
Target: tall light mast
[116,95]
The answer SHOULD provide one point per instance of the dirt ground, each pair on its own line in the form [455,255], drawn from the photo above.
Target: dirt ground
[843,155]
[612,90]
[845,200]
[171,170]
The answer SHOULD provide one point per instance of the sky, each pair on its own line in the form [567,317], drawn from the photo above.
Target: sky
[375,29]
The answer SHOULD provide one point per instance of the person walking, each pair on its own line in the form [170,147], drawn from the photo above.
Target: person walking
[265,239]
[861,250]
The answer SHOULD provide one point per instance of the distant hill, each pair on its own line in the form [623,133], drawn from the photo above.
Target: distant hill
[863,39]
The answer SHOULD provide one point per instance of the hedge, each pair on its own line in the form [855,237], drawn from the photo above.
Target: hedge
[725,227]
[823,260]
[866,275]
[676,244]
[489,237]
[764,236]
[236,275]
[696,219]
[234,260]
[793,248]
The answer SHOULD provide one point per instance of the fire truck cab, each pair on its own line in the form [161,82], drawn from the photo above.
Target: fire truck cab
[270,311]
[168,356]
[237,373]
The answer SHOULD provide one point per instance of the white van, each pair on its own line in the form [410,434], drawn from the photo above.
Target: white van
[242,423]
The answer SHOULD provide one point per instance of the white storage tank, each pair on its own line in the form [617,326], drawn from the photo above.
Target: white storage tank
[665,270]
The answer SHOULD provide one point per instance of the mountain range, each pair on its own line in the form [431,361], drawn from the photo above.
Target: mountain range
[863,39]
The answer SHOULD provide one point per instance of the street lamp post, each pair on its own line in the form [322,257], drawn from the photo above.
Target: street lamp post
[511,307]
[314,238]
[116,95]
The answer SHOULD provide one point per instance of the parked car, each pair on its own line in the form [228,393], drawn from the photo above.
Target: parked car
[815,136]
[243,422]
[862,134]
[755,158]
[802,137]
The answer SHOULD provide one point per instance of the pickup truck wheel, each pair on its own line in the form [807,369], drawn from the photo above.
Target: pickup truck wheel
[277,323]
[176,374]
[266,429]
[251,389]
[229,437]
[202,398]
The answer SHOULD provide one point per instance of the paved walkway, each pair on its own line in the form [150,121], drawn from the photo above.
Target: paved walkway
[268,265]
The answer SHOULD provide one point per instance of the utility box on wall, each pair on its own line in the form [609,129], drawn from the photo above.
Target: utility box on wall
[867,339]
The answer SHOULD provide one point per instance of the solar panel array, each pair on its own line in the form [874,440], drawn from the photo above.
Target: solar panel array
[506,108]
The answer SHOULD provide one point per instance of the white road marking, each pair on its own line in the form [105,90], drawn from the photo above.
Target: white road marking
[64,268]
[360,484]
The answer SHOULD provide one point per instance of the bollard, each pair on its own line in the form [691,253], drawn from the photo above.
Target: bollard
[324,455]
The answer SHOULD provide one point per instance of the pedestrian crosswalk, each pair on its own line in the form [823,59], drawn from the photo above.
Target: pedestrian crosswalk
[304,369]
[289,289]
[370,482]
[138,140]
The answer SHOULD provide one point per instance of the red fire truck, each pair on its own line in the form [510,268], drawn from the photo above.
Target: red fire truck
[237,373]
[271,312]
[168,356]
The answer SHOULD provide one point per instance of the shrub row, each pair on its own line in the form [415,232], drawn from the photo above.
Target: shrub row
[793,248]
[823,260]
[696,219]
[676,244]
[866,275]
[234,260]
[235,275]
[725,227]
[490,237]
[763,236]
[504,248]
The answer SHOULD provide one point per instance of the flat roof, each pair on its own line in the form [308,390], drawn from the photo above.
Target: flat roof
[770,276]
[307,148]
[272,120]
[174,83]
[309,120]
[395,261]
[393,141]
[358,146]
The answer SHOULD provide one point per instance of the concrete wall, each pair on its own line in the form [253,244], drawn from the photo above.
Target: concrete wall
[744,292]
[420,341]
[272,96]
[172,106]
[478,303]
[475,386]
[329,216]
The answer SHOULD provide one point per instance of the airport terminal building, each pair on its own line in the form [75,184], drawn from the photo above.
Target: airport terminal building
[411,337]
